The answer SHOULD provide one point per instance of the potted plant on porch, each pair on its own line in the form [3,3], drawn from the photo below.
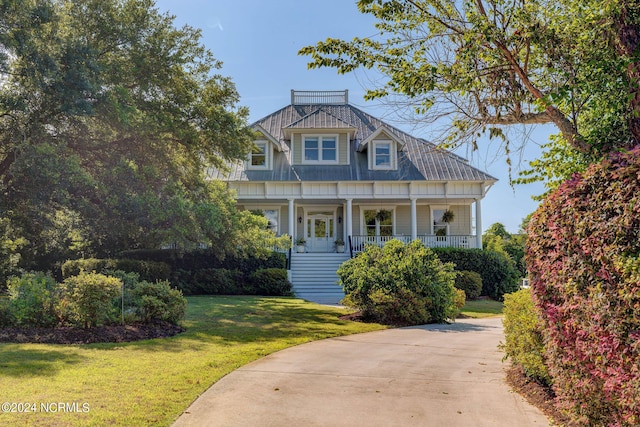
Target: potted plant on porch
[339,245]
[300,242]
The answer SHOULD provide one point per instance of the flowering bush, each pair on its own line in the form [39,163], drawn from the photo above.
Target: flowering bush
[584,262]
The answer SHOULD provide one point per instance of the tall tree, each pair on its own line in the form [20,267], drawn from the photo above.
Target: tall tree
[108,116]
[490,63]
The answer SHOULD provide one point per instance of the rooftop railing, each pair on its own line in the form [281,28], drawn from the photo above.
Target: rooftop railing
[310,97]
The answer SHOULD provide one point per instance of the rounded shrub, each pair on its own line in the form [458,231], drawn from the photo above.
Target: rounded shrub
[400,283]
[470,282]
[583,255]
[524,343]
[498,272]
[87,299]
[32,300]
[159,301]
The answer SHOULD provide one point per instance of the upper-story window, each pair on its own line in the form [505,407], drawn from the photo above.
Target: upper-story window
[383,155]
[259,156]
[320,149]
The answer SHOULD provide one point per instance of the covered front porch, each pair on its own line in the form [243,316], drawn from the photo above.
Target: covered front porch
[320,215]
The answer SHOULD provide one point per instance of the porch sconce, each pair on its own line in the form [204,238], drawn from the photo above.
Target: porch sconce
[339,220]
[299,220]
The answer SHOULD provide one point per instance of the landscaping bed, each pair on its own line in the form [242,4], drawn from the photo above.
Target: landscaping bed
[97,334]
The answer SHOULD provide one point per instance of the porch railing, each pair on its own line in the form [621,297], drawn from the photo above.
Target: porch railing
[358,242]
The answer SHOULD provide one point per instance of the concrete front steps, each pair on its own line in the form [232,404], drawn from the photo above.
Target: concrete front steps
[314,277]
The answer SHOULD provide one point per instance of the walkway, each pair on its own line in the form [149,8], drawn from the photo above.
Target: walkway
[434,375]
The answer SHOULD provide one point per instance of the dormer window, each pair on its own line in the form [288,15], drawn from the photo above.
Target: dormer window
[320,149]
[383,155]
[259,156]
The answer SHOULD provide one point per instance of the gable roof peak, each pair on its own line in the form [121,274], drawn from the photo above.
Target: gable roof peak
[319,97]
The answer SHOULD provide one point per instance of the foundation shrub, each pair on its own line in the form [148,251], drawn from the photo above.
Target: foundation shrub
[470,282]
[524,343]
[269,281]
[87,299]
[400,283]
[498,272]
[32,300]
[583,255]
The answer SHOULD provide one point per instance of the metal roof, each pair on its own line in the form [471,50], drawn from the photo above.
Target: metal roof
[418,159]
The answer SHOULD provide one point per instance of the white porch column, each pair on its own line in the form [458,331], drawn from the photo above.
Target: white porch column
[414,220]
[478,224]
[292,221]
[348,220]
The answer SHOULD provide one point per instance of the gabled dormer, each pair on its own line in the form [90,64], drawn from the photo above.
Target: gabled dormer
[261,156]
[382,148]
[320,138]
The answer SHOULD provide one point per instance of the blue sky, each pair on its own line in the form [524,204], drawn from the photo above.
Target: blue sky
[258,41]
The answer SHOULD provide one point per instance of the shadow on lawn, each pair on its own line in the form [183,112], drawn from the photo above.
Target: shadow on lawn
[17,361]
[237,320]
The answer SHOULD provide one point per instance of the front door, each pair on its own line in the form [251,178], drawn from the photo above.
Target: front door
[320,232]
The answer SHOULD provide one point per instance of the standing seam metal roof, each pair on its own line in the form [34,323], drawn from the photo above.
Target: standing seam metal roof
[417,160]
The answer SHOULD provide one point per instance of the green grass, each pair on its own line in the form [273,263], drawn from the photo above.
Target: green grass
[151,382]
[482,308]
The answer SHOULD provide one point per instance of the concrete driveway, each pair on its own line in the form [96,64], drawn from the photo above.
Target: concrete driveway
[433,375]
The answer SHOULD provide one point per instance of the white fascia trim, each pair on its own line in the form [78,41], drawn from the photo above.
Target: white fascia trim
[268,136]
[377,133]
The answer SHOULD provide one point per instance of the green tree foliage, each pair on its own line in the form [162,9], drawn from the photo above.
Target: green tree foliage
[400,283]
[109,115]
[490,64]
[498,239]
[10,244]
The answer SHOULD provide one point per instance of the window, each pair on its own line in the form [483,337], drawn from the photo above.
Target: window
[440,227]
[272,216]
[382,155]
[378,222]
[320,149]
[258,157]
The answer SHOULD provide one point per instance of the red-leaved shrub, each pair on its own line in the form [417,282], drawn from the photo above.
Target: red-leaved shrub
[584,261]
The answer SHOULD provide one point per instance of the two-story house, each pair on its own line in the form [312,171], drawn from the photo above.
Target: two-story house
[324,171]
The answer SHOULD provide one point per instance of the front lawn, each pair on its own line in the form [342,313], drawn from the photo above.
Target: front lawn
[482,308]
[151,382]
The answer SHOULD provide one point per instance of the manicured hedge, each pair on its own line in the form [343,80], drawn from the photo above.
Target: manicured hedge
[207,259]
[148,270]
[583,256]
[499,275]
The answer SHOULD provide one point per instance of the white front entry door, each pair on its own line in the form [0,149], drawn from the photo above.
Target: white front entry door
[320,232]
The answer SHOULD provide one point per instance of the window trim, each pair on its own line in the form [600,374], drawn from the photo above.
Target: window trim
[433,220]
[392,154]
[363,225]
[320,160]
[267,156]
